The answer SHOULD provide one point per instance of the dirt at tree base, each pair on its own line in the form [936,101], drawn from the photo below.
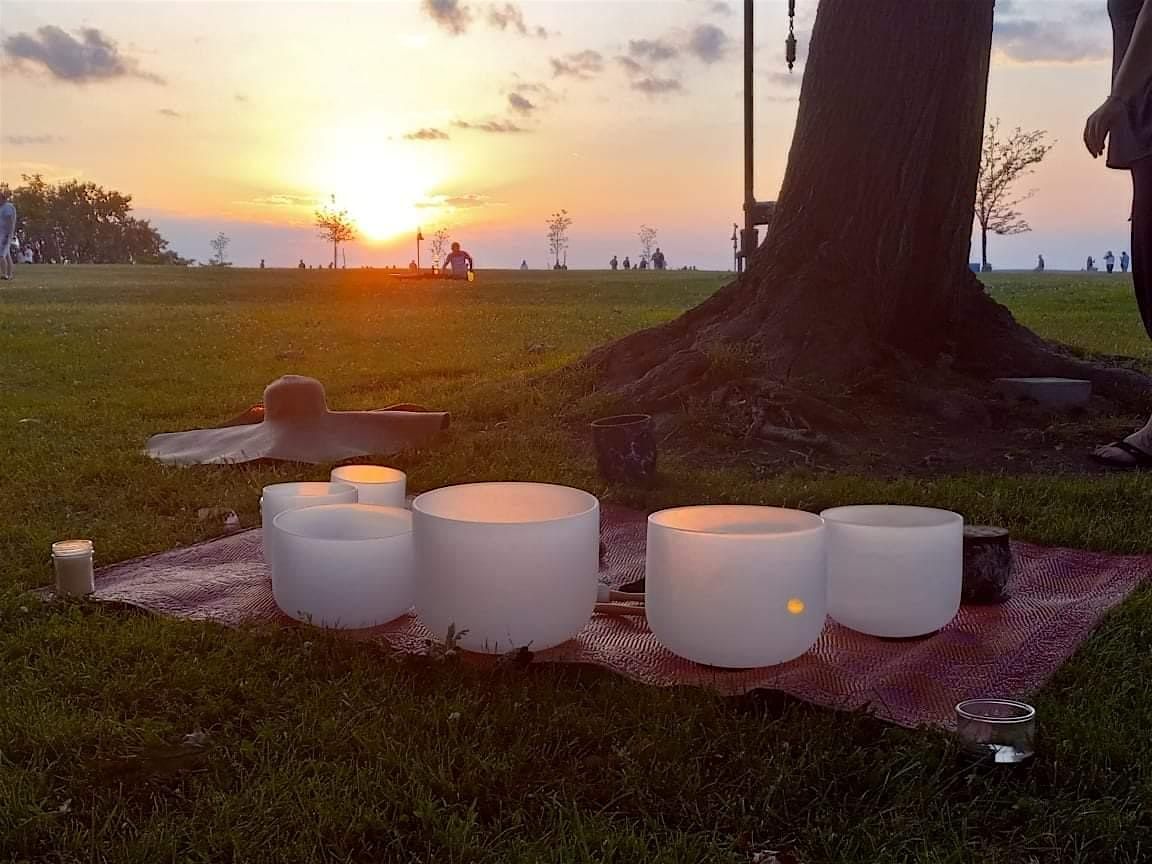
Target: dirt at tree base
[989,435]
[722,380]
[1061,446]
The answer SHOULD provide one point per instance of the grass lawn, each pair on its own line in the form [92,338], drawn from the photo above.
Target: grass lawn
[318,750]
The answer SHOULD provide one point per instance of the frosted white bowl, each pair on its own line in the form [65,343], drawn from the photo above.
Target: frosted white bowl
[280,497]
[736,586]
[894,571]
[374,484]
[512,564]
[344,565]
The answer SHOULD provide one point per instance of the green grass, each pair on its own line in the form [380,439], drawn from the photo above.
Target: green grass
[319,750]
[1093,312]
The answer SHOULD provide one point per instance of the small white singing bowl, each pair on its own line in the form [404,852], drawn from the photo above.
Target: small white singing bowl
[280,497]
[344,565]
[374,484]
[735,586]
[507,565]
[894,571]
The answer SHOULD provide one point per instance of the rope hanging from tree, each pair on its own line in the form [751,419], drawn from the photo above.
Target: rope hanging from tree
[790,42]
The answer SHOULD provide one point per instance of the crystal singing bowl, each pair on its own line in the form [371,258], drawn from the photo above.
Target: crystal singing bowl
[736,586]
[894,571]
[344,565]
[506,565]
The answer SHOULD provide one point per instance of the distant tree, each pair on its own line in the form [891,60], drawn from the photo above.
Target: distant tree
[647,241]
[438,246]
[85,224]
[220,247]
[558,225]
[336,226]
[1002,163]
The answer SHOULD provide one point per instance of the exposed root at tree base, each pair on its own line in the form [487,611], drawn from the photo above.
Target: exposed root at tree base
[731,375]
[898,432]
[900,420]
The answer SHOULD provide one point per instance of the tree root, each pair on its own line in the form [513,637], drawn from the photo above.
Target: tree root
[715,356]
[1000,347]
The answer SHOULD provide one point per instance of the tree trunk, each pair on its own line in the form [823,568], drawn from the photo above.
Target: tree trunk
[984,268]
[866,264]
[335,249]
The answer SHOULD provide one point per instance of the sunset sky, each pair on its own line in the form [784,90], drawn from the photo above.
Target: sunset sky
[484,117]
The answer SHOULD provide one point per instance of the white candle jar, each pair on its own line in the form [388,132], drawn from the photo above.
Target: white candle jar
[374,484]
[344,565]
[72,561]
[506,565]
[280,497]
[894,571]
[736,586]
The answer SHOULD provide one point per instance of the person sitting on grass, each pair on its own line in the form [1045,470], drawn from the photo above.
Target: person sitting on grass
[1124,121]
[458,263]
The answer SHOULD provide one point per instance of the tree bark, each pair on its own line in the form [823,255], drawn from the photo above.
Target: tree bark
[866,265]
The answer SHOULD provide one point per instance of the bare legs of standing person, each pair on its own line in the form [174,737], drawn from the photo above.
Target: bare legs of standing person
[6,261]
[1142,239]
[1141,439]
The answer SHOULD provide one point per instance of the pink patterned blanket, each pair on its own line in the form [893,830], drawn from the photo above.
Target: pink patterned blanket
[1058,597]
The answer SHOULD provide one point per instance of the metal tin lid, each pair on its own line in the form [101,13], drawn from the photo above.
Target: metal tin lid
[71,548]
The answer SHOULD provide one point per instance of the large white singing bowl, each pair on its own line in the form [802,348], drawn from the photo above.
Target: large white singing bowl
[509,565]
[280,497]
[735,586]
[344,565]
[894,571]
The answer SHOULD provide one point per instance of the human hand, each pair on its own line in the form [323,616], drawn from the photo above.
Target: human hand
[1099,124]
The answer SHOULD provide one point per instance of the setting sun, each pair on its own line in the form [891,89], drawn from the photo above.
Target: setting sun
[386,186]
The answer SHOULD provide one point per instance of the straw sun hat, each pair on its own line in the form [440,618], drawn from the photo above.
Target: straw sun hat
[295,425]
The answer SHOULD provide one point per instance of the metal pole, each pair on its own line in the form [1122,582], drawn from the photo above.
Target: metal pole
[748,243]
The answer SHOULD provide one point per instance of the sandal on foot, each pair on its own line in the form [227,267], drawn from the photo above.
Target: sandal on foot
[1141,460]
